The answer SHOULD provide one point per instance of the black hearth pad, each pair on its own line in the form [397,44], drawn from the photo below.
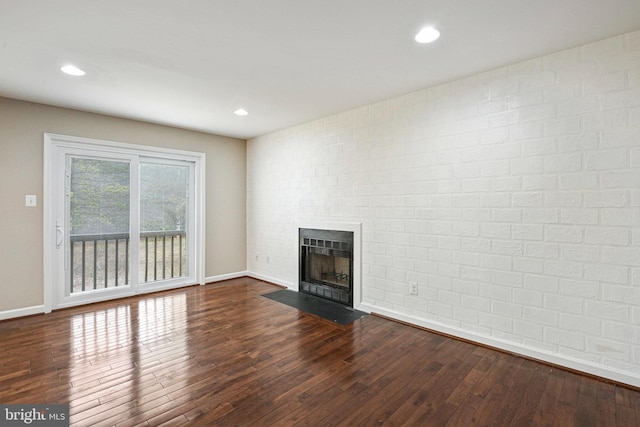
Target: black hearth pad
[326,309]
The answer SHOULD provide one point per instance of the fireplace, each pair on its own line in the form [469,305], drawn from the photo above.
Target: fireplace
[326,264]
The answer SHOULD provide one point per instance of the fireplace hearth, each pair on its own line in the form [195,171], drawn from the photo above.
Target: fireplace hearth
[326,264]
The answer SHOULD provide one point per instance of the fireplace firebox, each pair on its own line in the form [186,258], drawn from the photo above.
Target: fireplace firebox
[326,264]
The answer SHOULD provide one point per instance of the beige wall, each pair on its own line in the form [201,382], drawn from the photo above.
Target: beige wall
[22,125]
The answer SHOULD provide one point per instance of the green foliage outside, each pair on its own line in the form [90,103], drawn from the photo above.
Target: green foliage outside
[163,198]
[100,197]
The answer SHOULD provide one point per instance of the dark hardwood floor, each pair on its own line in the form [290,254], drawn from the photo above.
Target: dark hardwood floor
[224,355]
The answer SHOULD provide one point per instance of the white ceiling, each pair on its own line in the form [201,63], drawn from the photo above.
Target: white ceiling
[191,63]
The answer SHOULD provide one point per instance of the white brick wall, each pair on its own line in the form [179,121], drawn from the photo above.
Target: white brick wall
[511,197]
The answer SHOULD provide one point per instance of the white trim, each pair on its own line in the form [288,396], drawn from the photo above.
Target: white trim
[100,295]
[289,285]
[121,147]
[47,220]
[166,287]
[228,276]
[356,228]
[20,312]
[200,206]
[602,371]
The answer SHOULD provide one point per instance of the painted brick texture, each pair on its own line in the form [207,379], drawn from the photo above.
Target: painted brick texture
[511,197]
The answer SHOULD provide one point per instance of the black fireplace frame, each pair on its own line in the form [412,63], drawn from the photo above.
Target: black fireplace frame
[326,242]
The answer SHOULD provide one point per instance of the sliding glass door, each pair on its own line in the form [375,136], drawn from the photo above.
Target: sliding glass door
[124,222]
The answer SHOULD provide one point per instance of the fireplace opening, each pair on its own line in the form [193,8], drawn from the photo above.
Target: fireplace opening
[326,264]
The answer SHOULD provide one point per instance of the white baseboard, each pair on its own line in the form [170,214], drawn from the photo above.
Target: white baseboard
[273,280]
[221,277]
[19,312]
[626,377]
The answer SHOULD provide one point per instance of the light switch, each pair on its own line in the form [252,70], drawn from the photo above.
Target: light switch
[30,200]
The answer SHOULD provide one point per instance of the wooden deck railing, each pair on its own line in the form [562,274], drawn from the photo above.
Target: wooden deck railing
[100,261]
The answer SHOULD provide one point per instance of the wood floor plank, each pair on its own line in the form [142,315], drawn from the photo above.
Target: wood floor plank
[546,408]
[222,354]
[586,410]
[533,393]
[606,405]
[566,410]
[517,388]
[627,403]
[427,395]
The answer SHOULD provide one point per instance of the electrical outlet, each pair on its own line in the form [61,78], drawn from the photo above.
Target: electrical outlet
[413,288]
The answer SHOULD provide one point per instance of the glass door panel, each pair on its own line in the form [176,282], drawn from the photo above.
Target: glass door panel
[98,197]
[164,220]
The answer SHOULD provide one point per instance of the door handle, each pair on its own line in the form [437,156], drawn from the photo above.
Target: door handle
[59,234]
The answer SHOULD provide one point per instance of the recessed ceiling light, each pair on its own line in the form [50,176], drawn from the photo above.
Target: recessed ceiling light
[427,35]
[241,112]
[72,70]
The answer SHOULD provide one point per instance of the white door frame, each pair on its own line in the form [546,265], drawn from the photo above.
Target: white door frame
[110,149]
